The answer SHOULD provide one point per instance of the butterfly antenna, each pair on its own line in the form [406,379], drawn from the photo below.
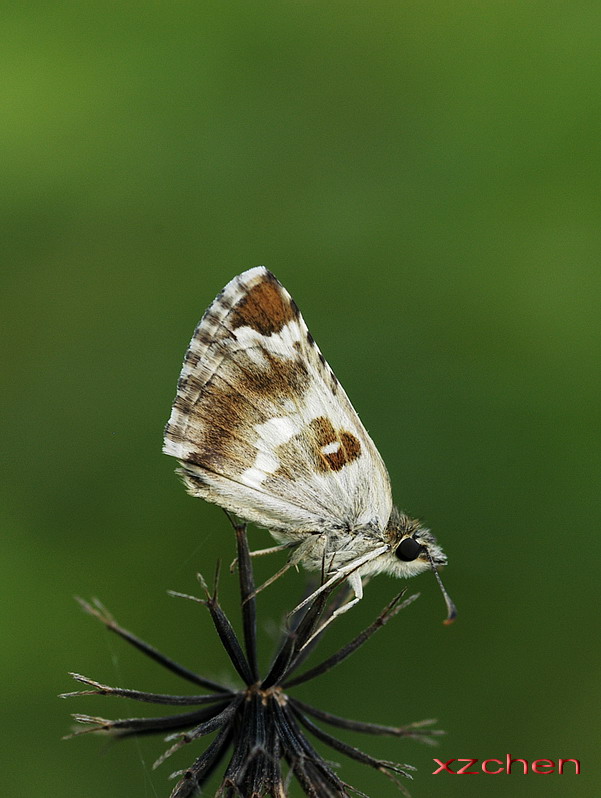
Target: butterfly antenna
[451,608]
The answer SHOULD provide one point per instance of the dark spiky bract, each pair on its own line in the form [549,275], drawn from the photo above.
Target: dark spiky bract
[259,727]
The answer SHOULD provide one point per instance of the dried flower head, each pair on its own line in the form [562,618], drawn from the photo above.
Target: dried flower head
[259,725]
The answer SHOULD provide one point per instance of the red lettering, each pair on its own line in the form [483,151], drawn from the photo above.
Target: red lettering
[464,770]
[561,764]
[543,763]
[491,772]
[541,766]
[510,762]
[444,766]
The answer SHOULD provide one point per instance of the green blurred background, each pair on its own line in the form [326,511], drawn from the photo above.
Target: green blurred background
[424,178]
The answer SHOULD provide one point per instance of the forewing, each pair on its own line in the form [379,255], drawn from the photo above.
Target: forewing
[261,425]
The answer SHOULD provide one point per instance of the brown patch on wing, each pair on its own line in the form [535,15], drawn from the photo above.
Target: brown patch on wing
[324,434]
[218,417]
[303,454]
[265,308]
[351,446]
[282,378]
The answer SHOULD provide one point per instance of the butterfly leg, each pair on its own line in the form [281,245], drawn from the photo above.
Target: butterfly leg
[294,559]
[356,584]
[272,550]
[346,570]
[292,544]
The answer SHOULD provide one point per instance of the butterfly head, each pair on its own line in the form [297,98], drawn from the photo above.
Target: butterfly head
[413,549]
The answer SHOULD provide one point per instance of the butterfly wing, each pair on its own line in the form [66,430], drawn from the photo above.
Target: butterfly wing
[261,425]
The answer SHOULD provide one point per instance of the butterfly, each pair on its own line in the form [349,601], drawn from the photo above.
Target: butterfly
[262,427]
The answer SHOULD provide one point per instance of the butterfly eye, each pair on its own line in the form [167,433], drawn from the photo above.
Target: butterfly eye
[408,549]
